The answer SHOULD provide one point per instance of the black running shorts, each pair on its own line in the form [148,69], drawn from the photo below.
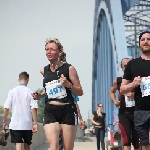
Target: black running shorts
[21,136]
[128,131]
[66,114]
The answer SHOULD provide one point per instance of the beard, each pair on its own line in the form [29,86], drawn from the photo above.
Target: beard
[145,51]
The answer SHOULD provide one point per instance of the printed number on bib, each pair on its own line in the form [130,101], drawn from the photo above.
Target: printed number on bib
[145,86]
[55,89]
[129,102]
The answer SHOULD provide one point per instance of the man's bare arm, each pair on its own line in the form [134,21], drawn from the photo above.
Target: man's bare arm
[126,86]
[34,115]
[6,111]
[112,93]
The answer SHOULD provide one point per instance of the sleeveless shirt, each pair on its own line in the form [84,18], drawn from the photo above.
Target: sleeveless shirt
[123,107]
[50,76]
[99,119]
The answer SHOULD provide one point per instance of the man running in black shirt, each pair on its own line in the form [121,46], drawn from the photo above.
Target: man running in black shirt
[126,106]
[136,76]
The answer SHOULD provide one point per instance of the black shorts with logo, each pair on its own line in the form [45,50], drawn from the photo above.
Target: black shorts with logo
[21,136]
[66,114]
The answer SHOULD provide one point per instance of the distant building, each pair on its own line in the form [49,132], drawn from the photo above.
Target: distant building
[117,24]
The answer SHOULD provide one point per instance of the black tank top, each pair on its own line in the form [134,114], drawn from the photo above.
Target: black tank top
[50,76]
[99,119]
[123,107]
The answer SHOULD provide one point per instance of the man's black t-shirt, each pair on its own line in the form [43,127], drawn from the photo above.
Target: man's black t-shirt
[138,67]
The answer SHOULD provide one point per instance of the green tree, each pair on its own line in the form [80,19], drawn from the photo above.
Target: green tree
[2,111]
[40,107]
[40,111]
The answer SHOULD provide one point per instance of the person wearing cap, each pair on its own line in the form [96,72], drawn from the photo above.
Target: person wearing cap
[136,77]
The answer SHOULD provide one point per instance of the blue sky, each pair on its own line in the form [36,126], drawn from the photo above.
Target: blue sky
[24,27]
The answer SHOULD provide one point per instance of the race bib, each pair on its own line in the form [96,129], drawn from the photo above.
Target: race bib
[145,86]
[55,89]
[129,102]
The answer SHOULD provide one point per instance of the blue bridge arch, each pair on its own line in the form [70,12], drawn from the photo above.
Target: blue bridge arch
[109,47]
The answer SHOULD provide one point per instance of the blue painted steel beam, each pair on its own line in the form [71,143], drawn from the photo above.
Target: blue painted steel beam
[127,4]
[103,78]
[109,45]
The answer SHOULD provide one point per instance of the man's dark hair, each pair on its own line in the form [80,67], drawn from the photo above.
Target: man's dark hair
[142,34]
[23,75]
[123,59]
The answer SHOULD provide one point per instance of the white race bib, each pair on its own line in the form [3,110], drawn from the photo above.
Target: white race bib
[55,89]
[145,86]
[129,102]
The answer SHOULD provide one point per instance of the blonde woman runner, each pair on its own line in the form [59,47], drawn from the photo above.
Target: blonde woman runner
[60,113]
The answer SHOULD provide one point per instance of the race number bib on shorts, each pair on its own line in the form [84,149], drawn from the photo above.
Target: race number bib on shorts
[129,102]
[145,86]
[55,89]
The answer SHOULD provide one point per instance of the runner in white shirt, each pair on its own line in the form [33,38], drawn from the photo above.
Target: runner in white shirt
[24,107]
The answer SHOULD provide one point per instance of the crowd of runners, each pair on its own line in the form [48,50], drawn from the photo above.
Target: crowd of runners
[61,112]
[134,97]
[133,101]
